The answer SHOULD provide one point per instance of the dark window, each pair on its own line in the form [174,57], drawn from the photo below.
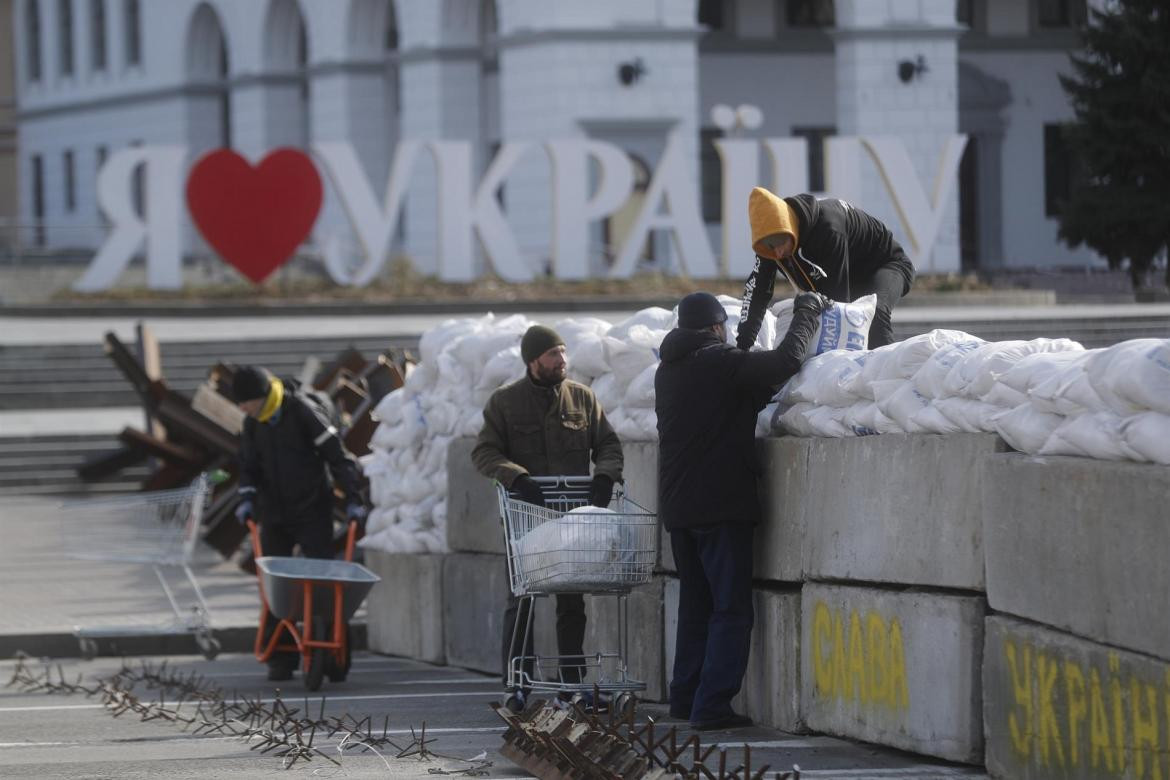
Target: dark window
[816,153]
[713,14]
[38,200]
[1060,169]
[70,181]
[965,13]
[97,34]
[65,36]
[711,174]
[809,13]
[133,32]
[138,186]
[1060,13]
[32,25]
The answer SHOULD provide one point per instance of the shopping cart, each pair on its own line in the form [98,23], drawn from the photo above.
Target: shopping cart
[158,529]
[552,550]
[287,590]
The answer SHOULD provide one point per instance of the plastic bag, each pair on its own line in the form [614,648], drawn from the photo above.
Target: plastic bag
[842,326]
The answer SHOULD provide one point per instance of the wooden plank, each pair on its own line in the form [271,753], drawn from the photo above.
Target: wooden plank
[178,454]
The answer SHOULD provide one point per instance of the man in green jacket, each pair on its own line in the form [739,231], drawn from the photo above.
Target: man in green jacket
[547,425]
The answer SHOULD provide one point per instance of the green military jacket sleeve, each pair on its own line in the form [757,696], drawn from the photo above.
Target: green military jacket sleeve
[542,431]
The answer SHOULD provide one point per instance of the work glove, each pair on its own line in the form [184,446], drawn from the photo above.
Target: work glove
[244,511]
[601,490]
[356,512]
[812,302]
[529,492]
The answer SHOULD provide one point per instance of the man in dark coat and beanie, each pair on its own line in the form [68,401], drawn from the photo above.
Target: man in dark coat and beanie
[822,245]
[547,425]
[707,395]
[290,457]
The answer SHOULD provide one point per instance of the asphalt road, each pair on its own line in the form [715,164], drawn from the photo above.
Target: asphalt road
[71,736]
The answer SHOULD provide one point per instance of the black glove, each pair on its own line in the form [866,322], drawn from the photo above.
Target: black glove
[601,491]
[529,492]
[811,302]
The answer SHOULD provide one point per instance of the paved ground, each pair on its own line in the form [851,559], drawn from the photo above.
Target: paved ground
[44,594]
[71,736]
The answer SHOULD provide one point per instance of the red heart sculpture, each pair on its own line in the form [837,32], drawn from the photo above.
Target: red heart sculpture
[254,217]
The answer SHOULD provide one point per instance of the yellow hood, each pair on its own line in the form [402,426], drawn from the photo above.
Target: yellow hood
[768,216]
[273,401]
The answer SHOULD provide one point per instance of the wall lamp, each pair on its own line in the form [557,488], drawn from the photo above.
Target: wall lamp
[908,69]
[629,72]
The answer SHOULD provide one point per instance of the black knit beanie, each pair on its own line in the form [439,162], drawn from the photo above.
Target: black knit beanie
[537,340]
[250,383]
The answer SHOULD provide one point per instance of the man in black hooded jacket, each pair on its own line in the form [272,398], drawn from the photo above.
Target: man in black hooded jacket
[823,245]
[707,396]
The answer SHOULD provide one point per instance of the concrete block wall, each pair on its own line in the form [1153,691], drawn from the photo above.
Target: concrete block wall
[405,610]
[932,593]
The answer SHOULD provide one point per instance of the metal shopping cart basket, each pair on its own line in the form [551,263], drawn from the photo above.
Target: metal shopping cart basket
[158,529]
[551,550]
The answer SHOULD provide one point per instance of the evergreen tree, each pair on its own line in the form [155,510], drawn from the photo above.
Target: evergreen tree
[1120,91]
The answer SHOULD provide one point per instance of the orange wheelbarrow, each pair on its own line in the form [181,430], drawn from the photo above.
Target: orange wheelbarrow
[290,588]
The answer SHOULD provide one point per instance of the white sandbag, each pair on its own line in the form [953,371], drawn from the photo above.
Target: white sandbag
[906,357]
[653,318]
[930,420]
[389,409]
[1133,376]
[969,415]
[898,400]
[609,395]
[976,374]
[827,422]
[587,355]
[434,340]
[794,420]
[766,421]
[1091,435]
[930,379]
[1026,429]
[1004,397]
[1067,390]
[502,368]
[582,547]
[636,425]
[573,329]
[1031,370]
[842,326]
[640,393]
[1148,436]
[872,364]
[865,419]
[827,379]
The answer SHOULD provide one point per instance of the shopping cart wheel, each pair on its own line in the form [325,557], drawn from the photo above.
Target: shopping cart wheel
[208,645]
[624,705]
[88,647]
[318,660]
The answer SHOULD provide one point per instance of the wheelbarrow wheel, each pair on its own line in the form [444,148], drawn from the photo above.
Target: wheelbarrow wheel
[318,660]
[337,673]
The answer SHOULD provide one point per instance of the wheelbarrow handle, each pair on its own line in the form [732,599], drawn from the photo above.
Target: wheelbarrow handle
[350,538]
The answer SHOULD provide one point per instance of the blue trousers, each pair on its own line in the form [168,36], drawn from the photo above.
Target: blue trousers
[715,618]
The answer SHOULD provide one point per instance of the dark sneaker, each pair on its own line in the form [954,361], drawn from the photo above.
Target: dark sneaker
[726,723]
[280,672]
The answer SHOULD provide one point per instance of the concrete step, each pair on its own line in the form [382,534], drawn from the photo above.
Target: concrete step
[47,465]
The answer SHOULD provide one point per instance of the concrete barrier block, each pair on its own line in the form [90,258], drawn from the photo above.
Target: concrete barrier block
[1080,545]
[474,591]
[898,668]
[404,612]
[771,686]
[473,511]
[897,508]
[1056,706]
[646,625]
[785,489]
[641,476]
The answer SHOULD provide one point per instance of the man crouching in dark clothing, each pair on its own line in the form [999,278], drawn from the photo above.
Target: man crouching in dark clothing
[708,394]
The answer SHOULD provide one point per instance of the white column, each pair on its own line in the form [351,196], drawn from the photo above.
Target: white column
[872,39]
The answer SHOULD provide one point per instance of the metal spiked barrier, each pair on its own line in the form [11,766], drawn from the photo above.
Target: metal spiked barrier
[273,726]
[576,743]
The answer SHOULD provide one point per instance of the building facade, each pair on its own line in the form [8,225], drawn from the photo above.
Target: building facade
[9,184]
[96,76]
